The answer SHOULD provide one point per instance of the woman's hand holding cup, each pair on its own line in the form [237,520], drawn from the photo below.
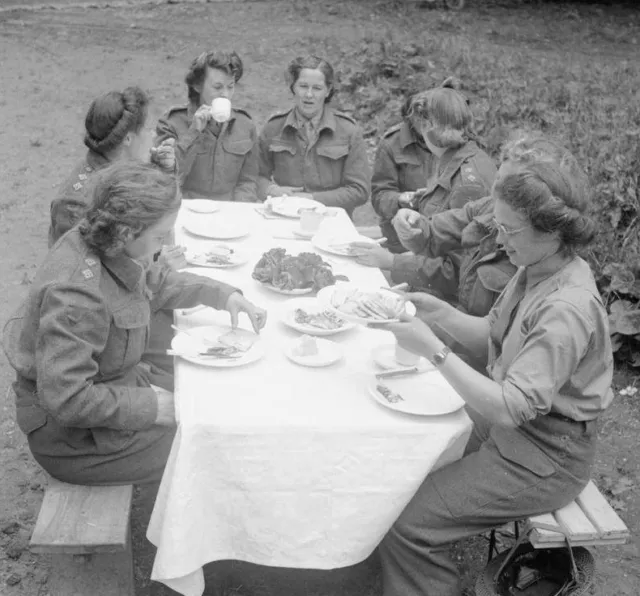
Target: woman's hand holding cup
[406,224]
[201,117]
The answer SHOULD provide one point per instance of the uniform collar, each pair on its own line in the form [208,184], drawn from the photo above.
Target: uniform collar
[129,272]
[96,161]
[544,269]
[408,136]
[326,120]
[456,158]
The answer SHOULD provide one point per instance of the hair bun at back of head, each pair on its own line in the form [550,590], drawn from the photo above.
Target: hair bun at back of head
[451,83]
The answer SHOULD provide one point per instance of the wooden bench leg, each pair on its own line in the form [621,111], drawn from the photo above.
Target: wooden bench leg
[101,574]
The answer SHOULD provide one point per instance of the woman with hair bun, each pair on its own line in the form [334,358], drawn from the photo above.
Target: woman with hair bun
[215,142]
[92,411]
[115,129]
[549,364]
[429,162]
[311,150]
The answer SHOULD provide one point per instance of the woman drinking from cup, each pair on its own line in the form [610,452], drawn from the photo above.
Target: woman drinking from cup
[215,142]
[92,412]
[312,150]
[549,360]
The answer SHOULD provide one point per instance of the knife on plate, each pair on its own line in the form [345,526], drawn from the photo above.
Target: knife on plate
[397,372]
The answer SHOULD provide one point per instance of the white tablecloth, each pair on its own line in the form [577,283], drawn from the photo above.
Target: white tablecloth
[283,465]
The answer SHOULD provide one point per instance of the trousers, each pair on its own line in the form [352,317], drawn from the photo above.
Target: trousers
[506,474]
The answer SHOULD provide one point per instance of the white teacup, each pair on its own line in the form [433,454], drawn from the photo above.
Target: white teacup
[406,358]
[221,109]
[310,220]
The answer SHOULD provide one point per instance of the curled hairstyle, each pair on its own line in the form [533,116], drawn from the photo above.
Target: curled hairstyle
[113,115]
[548,186]
[128,198]
[228,62]
[295,67]
[447,111]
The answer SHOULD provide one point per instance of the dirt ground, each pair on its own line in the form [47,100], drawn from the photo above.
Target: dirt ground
[54,62]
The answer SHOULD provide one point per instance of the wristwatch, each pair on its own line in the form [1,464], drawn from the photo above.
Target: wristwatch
[439,357]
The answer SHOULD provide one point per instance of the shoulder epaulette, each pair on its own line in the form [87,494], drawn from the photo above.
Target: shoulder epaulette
[281,114]
[243,112]
[346,117]
[395,128]
[177,109]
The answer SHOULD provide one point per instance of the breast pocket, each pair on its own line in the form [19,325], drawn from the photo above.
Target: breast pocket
[127,338]
[331,158]
[287,167]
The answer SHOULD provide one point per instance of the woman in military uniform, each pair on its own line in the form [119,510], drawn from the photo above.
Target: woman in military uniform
[549,364]
[115,129]
[429,162]
[216,160]
[312,150]
[92,412]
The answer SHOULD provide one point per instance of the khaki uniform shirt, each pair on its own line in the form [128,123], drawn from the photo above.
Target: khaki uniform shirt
[333,167]
[404,164]
[74,196]
[221,162]
[77,343]
[549,343]
[484,269]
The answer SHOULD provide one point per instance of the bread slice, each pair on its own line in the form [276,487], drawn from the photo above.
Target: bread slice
[241,339]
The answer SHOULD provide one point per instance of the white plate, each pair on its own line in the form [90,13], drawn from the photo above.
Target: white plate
[425,394]
[201,205]
[309,305]
[290,206]
[199,259]
[295,292]
[329,352]
[385,357]
[188,347]
[325,295]
[334,244]
[218,228]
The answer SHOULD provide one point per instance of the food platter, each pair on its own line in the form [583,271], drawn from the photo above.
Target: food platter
[201,205]
[327,353]
[190,346]
[290,206]
[426,394]
[339,244]
[218,228]
[220,256]
[361,305]
[307,315]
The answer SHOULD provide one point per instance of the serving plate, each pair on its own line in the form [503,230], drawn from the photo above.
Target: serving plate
[289,206]
[329,297]
[310,306]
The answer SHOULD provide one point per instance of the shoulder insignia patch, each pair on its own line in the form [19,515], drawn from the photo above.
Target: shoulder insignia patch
[88,169]
[87,273]
[77,186]
[90,261]
[82,176]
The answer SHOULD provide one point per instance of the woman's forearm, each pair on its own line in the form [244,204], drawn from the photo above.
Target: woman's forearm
[470,332]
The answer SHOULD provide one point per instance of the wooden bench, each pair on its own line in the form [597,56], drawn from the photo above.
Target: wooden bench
[589,521]
[86,530]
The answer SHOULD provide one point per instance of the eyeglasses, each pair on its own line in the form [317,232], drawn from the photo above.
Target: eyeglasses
[505,231]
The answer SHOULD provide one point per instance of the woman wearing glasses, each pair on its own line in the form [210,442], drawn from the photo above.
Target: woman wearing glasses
[215,148]
[549,361]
